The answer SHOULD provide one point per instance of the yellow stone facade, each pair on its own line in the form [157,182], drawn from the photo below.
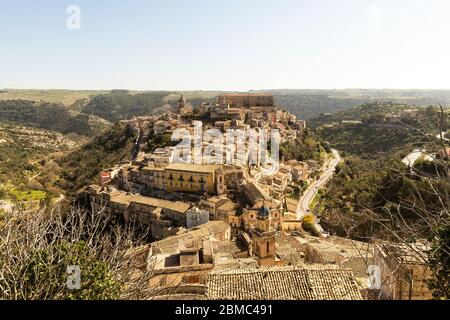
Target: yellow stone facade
[187,178]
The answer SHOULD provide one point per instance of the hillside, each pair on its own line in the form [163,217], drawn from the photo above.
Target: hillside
[48,162]
[64,97]
[81,166]
[373,194]
[373,129]
[374,198]
[55,117]
[121,104]
[307,104]
[21,148]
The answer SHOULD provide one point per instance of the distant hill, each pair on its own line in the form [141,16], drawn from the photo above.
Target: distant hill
[65,97]
[372,129]
[51,116]
[304,103]
[307,106]
[310,103]
[123,105]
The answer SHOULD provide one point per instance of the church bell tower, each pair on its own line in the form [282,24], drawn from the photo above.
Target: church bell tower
[263,237]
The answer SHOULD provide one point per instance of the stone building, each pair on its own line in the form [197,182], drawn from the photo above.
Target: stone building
[343,252]
[164,217]
[249,216]
[246,100]
[211,205]
[404,271]
[163,155]
[183,108]
[174,177]
[196,217]
[181,263]
[263,238]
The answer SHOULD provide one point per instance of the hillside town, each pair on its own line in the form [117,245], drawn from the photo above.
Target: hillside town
[224,224]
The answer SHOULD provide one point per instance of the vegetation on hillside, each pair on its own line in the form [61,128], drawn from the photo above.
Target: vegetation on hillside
[371,130]
[41,253]
[385,187]
[82,166]
[309,103]
[65,97]
[119,105]
[55,117]
[21,149]
[375,196]
[305,147]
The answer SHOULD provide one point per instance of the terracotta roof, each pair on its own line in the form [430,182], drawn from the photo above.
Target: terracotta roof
[127,199]
[246,95]
[192,167]
[211,228]
[255,192]
[283,283]
[228,205]
[177,206]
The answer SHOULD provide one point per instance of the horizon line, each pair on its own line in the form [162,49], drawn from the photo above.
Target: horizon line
[231,90]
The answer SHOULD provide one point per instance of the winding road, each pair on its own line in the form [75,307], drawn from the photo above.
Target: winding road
[311,192]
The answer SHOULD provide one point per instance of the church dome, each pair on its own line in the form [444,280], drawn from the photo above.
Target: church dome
[263,212]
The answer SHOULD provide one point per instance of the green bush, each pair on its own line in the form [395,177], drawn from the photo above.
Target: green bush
[50,266]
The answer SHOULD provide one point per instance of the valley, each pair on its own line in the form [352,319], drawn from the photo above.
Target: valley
[363,173]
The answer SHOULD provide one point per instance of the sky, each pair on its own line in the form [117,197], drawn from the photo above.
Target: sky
[225,44]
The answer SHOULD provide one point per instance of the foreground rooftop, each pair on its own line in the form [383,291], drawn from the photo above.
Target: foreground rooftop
[283,283]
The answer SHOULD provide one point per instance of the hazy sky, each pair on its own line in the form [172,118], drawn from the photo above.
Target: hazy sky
[225,44]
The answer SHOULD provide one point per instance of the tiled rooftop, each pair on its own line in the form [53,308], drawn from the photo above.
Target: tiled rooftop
[192,167]
[284,283]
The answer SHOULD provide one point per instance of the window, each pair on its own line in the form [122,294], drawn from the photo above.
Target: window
[268,244]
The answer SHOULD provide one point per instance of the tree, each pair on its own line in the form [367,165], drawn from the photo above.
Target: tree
[382,199]
[439,262]
[36,249]
[97,280]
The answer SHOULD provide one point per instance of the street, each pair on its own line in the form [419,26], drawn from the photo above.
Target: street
[310,193]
